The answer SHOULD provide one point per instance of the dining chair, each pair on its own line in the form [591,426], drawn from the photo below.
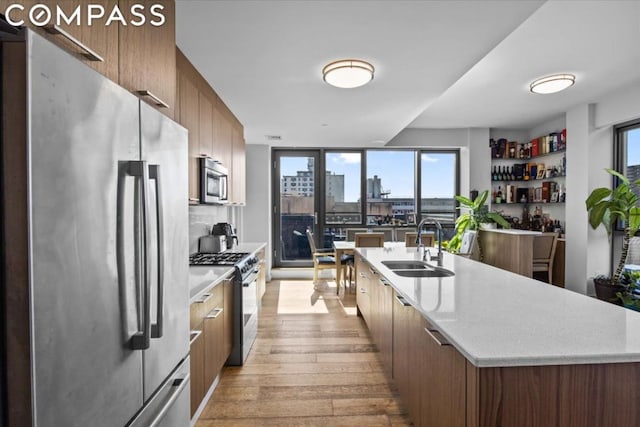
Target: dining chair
[324,259]
[544,250]
[411,237]
[351,233]
[369,240]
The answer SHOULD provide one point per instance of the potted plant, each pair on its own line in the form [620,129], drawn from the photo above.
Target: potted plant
[477,214]
[606,206]
[630,297]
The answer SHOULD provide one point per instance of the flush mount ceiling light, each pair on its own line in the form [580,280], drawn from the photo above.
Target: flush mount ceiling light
[552,84]
[348,73]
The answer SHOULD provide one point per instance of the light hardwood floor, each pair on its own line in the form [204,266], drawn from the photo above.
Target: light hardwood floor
[313,364]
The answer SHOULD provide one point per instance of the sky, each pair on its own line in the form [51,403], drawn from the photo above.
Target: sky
[395,168]
[633,147]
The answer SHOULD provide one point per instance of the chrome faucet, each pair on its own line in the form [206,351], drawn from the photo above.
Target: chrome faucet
[426,251]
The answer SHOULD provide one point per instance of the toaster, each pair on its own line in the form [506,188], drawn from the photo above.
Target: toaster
[212,244]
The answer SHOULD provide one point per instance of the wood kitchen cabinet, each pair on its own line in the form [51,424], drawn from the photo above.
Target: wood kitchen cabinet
[98,38]
[211,324]
[214,335]
[238,169]
[381,313]
[214,131]
[223,134]
[139,58]
[363,291]
[406,354]
[441,382]
[147,57]
[196,351]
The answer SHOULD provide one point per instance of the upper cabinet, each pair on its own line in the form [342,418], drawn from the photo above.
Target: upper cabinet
[148,56]
[214,131]
[126,47]
[96,45]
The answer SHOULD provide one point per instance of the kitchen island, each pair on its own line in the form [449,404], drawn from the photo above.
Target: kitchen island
[488,347]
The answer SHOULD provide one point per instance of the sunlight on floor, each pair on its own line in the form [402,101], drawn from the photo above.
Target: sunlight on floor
[300,297]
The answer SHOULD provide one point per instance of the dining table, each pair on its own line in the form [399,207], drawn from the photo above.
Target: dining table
[347,247]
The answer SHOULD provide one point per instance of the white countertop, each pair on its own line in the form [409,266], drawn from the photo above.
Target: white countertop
[498,318]
[202,277]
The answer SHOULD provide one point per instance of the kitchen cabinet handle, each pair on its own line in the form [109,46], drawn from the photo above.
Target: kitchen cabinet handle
[159,102]
[361,274]
[154,175]
[435,334]
[363,291]
[402,301]
[216,311]
[205,298]
[375,273]
[88,52]
[384,281]
[193,336]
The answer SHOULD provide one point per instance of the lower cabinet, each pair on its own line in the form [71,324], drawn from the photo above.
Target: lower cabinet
[381,327]
[363,299]
[262,275]
[197,367]
[443,372]
[211,338]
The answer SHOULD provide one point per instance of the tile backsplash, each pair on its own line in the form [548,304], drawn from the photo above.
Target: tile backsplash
[201,218]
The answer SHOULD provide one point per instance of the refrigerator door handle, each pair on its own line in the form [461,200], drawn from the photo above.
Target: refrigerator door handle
[179,384]
[141,341]
[154,174]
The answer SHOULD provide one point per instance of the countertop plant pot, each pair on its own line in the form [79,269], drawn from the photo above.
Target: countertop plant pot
[606,291]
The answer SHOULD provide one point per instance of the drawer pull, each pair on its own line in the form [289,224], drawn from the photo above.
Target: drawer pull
[402,301]
[205,297]
[435,334]
[362,275]
[363,291]
[375,273]
[159,102]
[216,312]
[384,282]
[193,335]
[88,52]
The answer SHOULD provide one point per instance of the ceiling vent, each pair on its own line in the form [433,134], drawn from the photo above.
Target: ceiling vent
[274,137]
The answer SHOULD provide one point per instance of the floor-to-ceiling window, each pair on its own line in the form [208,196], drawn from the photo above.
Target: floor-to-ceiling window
[390,192]
[627,161]
[333,192]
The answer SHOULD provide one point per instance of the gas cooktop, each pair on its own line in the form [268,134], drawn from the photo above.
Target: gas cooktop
[221,258]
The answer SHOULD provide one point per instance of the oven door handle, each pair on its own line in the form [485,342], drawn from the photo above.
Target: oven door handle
[250,279]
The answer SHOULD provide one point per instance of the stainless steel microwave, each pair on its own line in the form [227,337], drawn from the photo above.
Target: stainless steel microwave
[214,182]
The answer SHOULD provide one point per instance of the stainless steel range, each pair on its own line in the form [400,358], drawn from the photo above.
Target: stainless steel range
[245,298]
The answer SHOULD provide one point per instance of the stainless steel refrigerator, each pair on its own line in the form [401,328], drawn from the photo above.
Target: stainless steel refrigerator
[106,249]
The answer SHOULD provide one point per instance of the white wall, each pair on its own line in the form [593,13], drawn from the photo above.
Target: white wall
[256,216]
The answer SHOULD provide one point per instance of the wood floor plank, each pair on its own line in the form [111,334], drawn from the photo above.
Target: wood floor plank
[258,359]
[325,392]
[307,379]
[304,368]
[367,406]
[353,421]
[313,364]
[267,409]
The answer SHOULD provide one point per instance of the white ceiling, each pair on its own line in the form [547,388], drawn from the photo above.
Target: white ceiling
[439,64]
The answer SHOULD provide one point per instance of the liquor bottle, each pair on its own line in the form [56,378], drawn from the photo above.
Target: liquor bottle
[512,177]
[521,151]
[499,196]
[493,173]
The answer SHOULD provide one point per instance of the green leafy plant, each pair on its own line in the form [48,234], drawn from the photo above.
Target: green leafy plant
[477,214]
[606,206]
[630,297]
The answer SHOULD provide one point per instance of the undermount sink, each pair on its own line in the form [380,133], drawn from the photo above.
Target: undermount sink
[405,265]
[413,268]
[440,272]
